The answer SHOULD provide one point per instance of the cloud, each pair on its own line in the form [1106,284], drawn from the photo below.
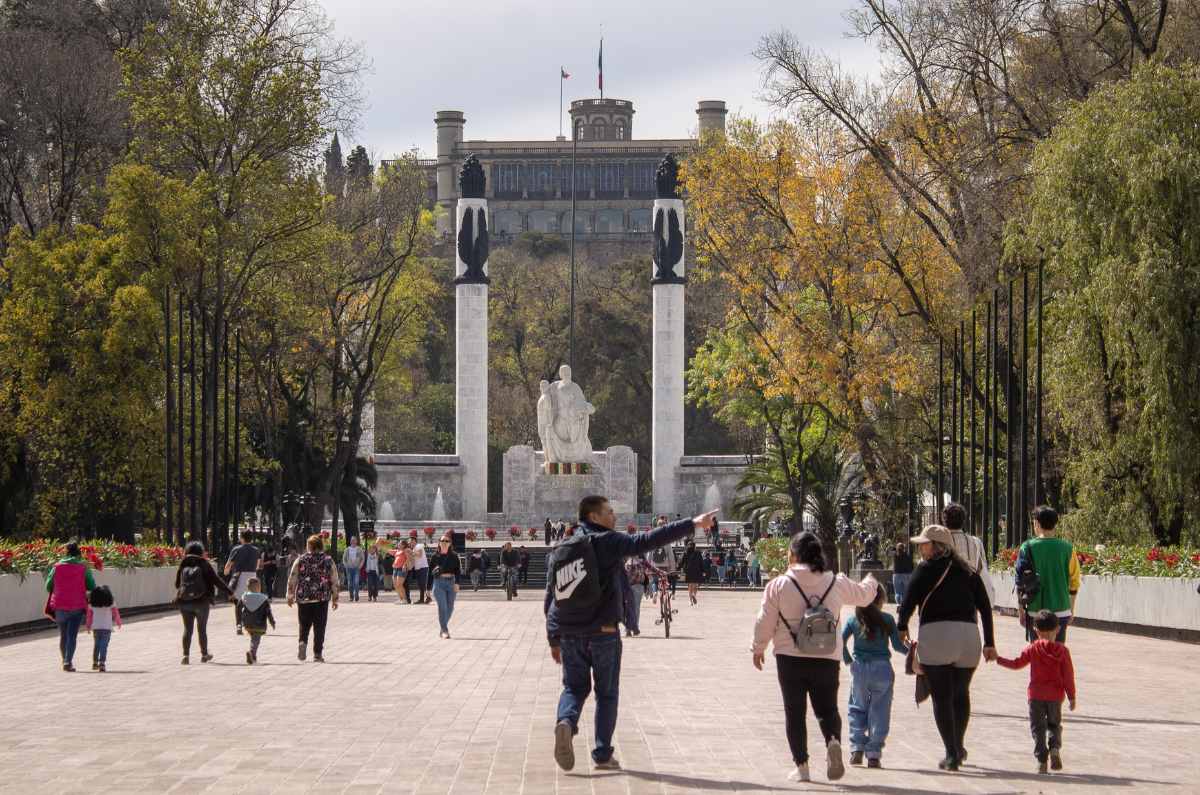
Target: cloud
[498,61]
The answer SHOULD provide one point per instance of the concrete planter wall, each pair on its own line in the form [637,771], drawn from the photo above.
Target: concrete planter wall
[1142,601]
[23,601]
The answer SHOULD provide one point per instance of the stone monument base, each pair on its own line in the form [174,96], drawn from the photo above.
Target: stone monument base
[532,493]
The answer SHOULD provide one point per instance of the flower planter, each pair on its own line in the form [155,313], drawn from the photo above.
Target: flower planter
[22,601]
[1164,602]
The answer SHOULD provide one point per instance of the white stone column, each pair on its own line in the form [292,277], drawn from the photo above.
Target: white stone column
[668,285]
[471,374]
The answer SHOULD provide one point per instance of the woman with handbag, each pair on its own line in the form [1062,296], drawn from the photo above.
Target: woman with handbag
[950,596]
[799,615]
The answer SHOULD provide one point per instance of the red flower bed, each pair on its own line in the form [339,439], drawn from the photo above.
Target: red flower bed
[1124,560]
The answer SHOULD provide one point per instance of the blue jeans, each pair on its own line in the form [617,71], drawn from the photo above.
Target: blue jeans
[443,594]
[100,638]
[588,658]
[352,578]
[870,709]
[633,607]
[900,585]
[69,622]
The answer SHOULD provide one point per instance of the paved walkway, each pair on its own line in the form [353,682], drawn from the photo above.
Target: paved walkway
[398,710]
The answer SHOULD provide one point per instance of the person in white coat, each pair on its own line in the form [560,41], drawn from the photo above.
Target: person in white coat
[804,675]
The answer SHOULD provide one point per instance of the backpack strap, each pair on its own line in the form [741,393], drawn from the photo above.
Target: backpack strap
[807,601]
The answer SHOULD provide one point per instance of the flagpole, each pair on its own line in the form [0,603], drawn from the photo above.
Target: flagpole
[571,352]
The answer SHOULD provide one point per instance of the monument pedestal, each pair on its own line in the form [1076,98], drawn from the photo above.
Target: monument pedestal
[532,494]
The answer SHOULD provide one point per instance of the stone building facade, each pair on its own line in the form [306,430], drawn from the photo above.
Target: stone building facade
[529,182]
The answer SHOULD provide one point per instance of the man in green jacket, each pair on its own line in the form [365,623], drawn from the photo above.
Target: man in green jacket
[1053,560]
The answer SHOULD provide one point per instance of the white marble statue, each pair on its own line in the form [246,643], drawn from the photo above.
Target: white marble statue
[564,417]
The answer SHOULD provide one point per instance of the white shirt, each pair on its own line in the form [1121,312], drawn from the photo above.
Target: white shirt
[419,561]
[970,548]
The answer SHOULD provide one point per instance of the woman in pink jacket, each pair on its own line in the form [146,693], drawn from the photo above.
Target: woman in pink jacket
[804,672]
[69,583]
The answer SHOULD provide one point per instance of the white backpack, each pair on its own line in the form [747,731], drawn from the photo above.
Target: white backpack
[815,635]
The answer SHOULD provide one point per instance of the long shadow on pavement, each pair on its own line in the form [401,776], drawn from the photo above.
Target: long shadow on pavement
[1095,779]
[1095,719]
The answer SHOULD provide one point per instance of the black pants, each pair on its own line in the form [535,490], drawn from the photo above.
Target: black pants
[422,578]
[950,689]
[1045,717]
[314,615]
[674,580]
[195,615]
[804,679]
[524,575]
[268,582]
[372,585]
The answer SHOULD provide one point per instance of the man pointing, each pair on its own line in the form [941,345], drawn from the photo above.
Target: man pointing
[583,608]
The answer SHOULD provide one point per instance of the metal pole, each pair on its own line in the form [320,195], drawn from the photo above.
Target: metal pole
[181,496]
[169,528]
[985,512]
[193,519]
[1038,494]
[954,420]
[1024,405]
[941,457]
[971,392]
[961,441]
[995,392]
[237,437]
[204,459]
[225,473]
[1008,446]
[571,342]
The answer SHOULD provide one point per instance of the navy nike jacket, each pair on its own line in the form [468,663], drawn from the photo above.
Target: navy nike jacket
[611,549]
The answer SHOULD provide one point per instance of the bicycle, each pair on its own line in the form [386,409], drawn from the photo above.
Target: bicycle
[665,611]
[509,581]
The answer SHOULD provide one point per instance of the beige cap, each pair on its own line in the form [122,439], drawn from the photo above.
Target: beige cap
[933,532]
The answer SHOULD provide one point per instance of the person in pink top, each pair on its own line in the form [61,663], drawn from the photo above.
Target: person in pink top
[69,583]
[807,662]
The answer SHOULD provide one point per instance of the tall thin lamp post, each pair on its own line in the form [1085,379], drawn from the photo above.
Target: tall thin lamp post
[571,341]
[169,529]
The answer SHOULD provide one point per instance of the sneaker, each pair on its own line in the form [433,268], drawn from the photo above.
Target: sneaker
[1055,760]
[1042,766]
[875,763]
[447,634]
[101,668]
[249,658]
[240,630]
[834,769]
[949,763]
[800,773]
[69,668]
[608,764]
[962,756]
[184,661]
[318,658]
[856,757]
[95,665]
[205,657]
[564,750]
[300,655]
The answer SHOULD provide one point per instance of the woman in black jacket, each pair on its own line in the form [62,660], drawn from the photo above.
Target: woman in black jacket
[950,596]
[693,569]
[196,583]
[446,569]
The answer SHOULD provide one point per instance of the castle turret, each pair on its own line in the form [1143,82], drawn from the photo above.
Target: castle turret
[450,125]
[711,113]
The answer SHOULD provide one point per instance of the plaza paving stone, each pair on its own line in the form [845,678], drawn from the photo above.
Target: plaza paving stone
[396,709]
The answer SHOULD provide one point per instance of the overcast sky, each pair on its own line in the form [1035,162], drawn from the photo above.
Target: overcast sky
[498,61]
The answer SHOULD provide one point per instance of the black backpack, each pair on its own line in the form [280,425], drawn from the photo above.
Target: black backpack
[256,619]
[575,576]
[192,585]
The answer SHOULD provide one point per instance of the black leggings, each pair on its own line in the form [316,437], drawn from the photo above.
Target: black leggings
[950,688]
[313,615]
[803,679]
[195,614]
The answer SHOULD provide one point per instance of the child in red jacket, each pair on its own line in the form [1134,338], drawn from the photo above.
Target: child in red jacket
[1051,677]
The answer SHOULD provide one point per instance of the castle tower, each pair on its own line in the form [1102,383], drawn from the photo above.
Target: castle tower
[470,333]
[450,125]
[667,287]
[711,113]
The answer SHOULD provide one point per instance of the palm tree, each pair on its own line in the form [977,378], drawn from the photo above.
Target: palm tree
[826,477]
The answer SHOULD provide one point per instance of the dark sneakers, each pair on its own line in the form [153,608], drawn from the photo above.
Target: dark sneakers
[564,749]
[1055,760]
[856,757]
[875,763]
[1042,766]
